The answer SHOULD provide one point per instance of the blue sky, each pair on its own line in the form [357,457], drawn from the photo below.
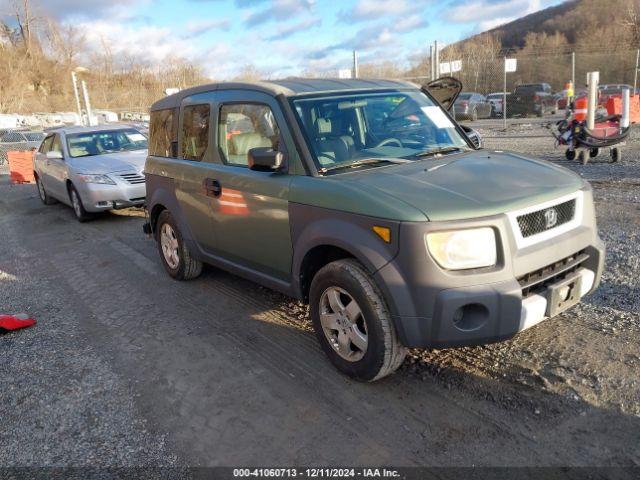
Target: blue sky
[279,37]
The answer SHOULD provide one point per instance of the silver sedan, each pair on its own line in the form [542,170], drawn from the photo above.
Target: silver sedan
[92,169]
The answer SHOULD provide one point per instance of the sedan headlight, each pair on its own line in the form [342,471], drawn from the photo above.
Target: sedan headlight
[90,178]
[463,249]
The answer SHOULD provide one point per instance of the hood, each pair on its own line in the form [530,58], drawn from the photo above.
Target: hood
[111,162]
[470,185]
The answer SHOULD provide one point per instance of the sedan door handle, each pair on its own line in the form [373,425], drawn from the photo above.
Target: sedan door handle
[212,187]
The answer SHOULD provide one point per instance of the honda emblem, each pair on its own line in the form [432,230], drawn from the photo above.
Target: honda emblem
[550,218]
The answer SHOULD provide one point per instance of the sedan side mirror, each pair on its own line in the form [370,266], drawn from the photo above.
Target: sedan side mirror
[265,159]
[54,155]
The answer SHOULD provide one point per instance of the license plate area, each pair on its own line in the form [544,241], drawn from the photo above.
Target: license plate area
[563,294]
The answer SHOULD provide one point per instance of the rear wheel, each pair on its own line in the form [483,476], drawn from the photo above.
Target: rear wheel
[570,155]
[615,154]
[174,253]
[76,202]
[42,193]
[593,152]
[352,322]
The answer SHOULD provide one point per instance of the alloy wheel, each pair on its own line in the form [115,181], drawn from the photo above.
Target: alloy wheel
[75,201]
[170,247]
[343,324]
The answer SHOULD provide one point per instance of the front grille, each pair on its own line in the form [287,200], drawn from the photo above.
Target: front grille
[538,280]
[547,218]
[132,178]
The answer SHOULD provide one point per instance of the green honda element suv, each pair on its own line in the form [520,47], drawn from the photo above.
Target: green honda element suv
[367,200]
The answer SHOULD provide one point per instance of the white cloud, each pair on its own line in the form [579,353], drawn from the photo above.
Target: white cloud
[280,10]
[293,28]
[198,27]
[488,14]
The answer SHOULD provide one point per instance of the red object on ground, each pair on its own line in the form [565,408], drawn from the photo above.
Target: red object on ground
[21,167]
[8,322]
[614,107]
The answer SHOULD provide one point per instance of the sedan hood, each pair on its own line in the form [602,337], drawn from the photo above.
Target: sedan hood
[470,185]
[111,162]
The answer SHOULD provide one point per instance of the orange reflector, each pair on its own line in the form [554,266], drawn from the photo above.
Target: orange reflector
[383,232]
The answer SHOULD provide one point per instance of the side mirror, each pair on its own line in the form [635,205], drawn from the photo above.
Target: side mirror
[445,90]
[54,155]
[265,159]
[473,135]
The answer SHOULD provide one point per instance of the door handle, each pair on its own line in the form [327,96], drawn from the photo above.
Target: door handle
[212,187]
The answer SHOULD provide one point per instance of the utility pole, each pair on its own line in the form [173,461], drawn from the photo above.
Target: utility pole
[355,64]
[635,75]
[573,70]
[504,95]
[85,93]
[431,75]
[437,62]
[74,80]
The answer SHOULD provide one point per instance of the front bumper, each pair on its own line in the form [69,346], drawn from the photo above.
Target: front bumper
[97,197]
[433,308]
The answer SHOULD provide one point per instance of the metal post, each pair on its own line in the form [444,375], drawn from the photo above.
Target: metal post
[592,79]
[431,75]
[573,70]
[437,62]
[74,80]
[504,95]
[85,93]
[635,75]
[624,120]
[355,64]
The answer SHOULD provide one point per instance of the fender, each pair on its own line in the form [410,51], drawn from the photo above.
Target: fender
[316,226]
[162,191]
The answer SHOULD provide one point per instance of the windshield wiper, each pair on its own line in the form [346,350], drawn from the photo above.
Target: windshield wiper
[439,151]
[365,161]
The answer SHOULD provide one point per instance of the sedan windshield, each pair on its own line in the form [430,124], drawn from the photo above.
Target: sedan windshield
[372,129]
[87,144]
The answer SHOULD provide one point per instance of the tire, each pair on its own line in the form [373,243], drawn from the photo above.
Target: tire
[583,158]
[76,203]
[570,155]
[615,154]
[593,152]
[42,193]
[339,284]
[178,263]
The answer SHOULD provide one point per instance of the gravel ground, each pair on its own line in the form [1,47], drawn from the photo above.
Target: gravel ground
[128,368]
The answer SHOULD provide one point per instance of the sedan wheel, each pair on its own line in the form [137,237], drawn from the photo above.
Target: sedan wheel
[42,193]
[343,324]
[170,246]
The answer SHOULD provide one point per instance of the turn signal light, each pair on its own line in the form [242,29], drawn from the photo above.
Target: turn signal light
[383,232]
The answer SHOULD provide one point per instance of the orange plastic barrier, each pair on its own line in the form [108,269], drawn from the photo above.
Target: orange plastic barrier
[580,108]
[614,107]
[21,167]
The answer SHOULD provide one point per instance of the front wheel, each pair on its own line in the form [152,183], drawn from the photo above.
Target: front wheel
[42,193]
[352,322]
[175,255]
[76,202]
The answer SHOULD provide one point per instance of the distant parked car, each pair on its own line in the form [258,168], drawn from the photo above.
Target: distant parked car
[496,100]
[92,169]
[471,106]
[18,140]
[532,99]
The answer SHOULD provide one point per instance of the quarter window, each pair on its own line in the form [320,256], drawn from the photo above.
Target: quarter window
[195,132]
[160,133]
[243,127]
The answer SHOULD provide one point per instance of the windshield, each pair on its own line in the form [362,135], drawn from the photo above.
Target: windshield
[87,144]
[347,129]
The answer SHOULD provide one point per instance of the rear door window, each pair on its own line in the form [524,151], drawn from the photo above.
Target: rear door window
[195,132]
[46,144]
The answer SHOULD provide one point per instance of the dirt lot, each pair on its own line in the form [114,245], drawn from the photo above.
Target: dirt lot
[127,367]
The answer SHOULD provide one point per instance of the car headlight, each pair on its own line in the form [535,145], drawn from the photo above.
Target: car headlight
[89,178]
[463,249]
